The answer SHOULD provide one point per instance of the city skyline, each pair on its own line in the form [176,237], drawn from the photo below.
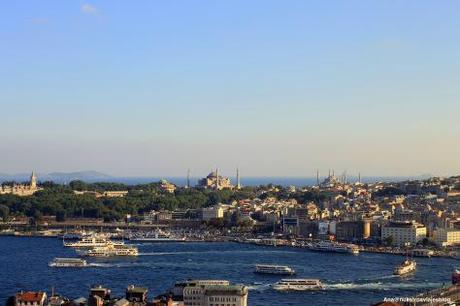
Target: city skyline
[274,89]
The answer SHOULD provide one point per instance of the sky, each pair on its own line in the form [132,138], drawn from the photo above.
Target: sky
[276,88]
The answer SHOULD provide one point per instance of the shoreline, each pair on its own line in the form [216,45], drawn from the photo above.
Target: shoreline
[236,240]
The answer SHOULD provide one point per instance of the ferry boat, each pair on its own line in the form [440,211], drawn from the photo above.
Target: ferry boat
[329,246]
[157,236]
[68,263]
[112,250]
[92,241]
[274,269]
[405,267]
[298,285]
[422,253]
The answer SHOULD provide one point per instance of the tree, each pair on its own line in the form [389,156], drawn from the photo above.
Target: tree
[388,241]
[61,216]
[4,212]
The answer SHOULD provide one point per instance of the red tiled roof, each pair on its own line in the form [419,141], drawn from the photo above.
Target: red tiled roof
[30,296]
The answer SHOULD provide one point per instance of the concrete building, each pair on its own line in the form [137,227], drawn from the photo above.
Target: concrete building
[213,293]
[136,294]
[404,233]
[213,212]
[350,230]
[446,236]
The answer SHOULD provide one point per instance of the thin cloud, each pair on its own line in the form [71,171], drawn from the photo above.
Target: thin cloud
[89,9]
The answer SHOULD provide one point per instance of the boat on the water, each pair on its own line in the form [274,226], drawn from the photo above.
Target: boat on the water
[155,236]
[111,250]
[298,285]
[422,253]
[274,269]
[92,241]
[329,246]
[68,263]
[405,267]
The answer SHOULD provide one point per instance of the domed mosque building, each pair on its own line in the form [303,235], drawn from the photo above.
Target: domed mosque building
[218,182]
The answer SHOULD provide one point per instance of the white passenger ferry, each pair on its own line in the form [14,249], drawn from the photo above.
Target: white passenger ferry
[298,285]
[92,241]
[68,263]
[329,246]
[274,269]
[112,250]
[405,267]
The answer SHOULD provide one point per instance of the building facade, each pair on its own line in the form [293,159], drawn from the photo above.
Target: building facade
[22,189]
[404,233]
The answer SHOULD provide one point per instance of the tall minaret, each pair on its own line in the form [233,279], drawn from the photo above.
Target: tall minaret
[33,181]
[188,179]
[217,178]
[359,177]
[238,184]
[317,177]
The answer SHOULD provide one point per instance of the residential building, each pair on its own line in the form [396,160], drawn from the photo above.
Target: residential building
[406,233]
[446,236]
[30,298]
[214,293]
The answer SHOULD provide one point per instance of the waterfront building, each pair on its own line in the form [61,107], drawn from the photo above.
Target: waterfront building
[215,181]
[350,230]
[30,298]
[403,233]
[446,236]
[22,189]
[213,212]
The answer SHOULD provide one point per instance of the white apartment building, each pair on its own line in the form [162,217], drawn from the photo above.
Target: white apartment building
[404,233]
[446,236]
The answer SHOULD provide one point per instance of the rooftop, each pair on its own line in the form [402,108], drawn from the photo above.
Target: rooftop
[30,296]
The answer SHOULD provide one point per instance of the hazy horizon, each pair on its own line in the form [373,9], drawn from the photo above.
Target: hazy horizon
[276,89]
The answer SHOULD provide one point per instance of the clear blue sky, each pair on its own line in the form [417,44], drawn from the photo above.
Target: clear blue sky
[274,87]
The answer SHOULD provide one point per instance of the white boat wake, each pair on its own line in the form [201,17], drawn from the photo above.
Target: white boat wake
[381,286]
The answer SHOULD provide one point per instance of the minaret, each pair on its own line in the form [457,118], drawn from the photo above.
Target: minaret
[238,184]
[188,179]
[217,178]
[359,177]
[33,181]
[317,177]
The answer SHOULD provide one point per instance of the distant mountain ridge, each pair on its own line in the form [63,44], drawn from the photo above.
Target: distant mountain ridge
[57,177]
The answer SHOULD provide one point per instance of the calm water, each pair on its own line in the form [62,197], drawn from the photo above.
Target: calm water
[357,280]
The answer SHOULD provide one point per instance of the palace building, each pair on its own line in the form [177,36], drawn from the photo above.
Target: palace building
[22,189]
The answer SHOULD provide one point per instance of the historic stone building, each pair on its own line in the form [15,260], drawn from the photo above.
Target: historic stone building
[215,181]
[22,189]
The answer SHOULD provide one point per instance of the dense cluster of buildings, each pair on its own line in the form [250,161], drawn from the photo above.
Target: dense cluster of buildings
[402,214]
[187,293]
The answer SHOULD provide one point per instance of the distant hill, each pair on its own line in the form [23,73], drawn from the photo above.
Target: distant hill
[57,177]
